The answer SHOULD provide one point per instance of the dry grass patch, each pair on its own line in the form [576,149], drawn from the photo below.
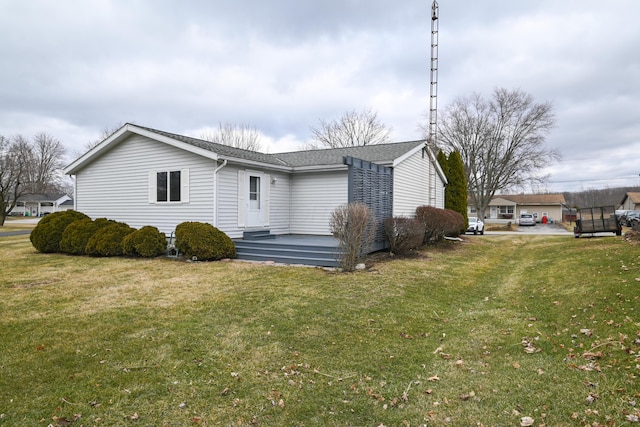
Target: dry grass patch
[480,333]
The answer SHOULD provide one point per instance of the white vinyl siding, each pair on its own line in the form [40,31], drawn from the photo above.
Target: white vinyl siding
[313,197]
[117,185]
[412,180]
[280,203]
[231,195]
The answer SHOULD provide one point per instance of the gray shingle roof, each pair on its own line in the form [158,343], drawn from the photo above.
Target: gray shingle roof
[379,153]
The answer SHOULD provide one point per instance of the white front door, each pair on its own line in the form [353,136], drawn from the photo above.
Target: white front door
[255,202]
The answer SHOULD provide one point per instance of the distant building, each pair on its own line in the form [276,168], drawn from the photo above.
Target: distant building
[630,201]
[41,204]
[505,208]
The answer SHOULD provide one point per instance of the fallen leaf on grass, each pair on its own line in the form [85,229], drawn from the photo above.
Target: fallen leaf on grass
[526,421]
[592,398]
[589,355]
[587,332]
[467,396]
[433,378]
[64,421]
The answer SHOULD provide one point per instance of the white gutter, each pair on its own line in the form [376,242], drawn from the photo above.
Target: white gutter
[215,192]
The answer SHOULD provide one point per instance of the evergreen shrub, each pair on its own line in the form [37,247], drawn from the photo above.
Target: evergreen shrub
[107,240]
[203,241]
[47,234]
[147,242]
[77,234]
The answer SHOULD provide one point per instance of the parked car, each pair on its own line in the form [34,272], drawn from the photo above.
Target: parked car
[631,218]
[475,225]
[527,219]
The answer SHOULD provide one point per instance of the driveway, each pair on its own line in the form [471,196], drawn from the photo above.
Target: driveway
[553,229]
[539,229]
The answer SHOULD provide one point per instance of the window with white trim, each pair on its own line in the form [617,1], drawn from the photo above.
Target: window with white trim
[506,210]
[169,186]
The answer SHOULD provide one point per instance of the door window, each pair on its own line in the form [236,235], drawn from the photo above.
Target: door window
[254,192]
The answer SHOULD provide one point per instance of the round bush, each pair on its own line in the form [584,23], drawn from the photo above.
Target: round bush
[147,242]
[107,241]
[46,235]
[77,234]
[203,241]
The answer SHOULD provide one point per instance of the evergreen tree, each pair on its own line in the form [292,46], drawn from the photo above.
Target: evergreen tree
[456,190]
[444,164]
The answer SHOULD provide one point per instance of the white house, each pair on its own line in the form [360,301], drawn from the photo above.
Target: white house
[41,204]
[145,176]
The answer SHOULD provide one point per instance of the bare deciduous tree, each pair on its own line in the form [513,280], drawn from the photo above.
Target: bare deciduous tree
[28,167]
[11,176]
[45,164]
[500,140]
[353,129]
[238,136]
[106,132]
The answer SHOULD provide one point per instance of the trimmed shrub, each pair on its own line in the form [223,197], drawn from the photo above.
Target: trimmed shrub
[147,242]
[403,234]
[77,234]
[107,240]
[439,223]
[203,241]
[354,225]
[47,234]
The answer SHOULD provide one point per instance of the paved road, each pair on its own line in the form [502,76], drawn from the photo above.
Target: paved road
[14,233]
[19,232]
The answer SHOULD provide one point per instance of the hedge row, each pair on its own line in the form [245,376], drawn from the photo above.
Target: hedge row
[430,225]
[74,233]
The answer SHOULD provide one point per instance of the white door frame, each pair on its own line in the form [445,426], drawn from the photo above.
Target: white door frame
[254,190]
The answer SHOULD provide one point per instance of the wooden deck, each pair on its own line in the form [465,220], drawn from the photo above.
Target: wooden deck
[290,249]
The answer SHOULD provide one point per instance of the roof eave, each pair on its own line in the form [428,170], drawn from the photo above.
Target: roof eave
[123,133]
[320,168]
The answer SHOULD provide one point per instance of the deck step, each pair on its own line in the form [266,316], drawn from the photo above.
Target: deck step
[258,235]
[287,253]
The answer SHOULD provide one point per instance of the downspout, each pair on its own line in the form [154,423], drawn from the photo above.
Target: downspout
[215,192]
[75,191]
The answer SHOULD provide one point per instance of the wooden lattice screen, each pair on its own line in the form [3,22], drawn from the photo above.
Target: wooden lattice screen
[372,184]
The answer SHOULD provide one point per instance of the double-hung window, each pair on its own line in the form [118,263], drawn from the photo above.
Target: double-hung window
[169,186]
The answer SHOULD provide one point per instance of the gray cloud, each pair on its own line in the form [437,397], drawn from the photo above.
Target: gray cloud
[73,68]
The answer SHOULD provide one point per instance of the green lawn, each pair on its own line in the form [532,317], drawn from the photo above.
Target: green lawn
[484,332]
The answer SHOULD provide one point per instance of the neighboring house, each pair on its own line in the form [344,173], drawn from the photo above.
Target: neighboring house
[630,201]
[503,208]
[144,176]
[40,204]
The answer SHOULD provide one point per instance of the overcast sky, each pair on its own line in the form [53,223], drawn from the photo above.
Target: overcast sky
[72,68]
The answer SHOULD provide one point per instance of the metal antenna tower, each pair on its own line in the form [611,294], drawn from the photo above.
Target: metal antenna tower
[433,102]
[433,92]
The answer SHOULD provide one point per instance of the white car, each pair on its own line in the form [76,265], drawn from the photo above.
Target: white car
[475,225]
